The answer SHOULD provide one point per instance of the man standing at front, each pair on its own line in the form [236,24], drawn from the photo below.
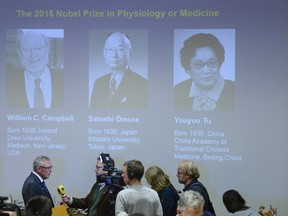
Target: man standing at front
[136,198]
[34,184]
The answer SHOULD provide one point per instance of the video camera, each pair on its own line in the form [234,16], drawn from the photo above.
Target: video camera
[6,207]
[114,176]
[114,182]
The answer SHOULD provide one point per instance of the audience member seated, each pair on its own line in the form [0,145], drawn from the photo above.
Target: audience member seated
[191,203]
[235,204]
[38,206]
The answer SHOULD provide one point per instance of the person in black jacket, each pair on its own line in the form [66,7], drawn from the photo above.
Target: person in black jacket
[168,195]
[188,174]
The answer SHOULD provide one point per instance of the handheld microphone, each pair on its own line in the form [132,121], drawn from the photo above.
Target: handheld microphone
[61,190]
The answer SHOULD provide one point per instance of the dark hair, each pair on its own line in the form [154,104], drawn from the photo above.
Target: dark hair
[233,201]
[200,40]
[38,206]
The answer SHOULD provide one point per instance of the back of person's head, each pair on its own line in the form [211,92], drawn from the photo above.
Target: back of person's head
[233,201]
[190,199]
[190,169]
[38,206]
[156,177]
[135,169]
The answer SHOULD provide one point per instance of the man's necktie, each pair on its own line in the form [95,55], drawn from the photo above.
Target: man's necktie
[47,192]
[39,101]
[112,90]
[45,187]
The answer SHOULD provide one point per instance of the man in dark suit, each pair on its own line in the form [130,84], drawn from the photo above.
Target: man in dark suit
[100,199]
[36,85]
[122,87]
[34,184]
[202,57]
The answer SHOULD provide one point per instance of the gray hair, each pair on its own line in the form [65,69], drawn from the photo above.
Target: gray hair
[22,35]
[125,38]
[190,199]
[40,161]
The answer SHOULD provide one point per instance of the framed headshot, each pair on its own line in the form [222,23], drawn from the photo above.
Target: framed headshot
[204,69]
[118,69]
[35,64]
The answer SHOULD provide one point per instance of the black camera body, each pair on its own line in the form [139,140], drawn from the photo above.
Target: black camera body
[112,179]
[114,176]
[7,207]
[114,182]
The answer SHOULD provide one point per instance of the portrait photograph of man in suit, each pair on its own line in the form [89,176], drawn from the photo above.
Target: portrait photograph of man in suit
[121,82]
[35,66]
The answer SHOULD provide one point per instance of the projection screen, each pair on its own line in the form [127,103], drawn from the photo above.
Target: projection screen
[238,142]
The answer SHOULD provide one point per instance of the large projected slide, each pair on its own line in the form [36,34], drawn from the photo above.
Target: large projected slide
[159,81]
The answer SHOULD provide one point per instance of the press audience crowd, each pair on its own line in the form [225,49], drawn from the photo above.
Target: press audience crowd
[132,197]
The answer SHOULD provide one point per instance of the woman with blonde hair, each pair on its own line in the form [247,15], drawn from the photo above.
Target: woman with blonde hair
[160,182]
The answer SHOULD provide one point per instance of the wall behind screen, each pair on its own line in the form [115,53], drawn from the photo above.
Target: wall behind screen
[255,130]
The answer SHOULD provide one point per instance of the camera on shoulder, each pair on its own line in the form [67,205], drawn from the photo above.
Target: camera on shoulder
[114,175]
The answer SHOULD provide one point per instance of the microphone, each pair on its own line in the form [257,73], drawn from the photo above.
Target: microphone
[61,190]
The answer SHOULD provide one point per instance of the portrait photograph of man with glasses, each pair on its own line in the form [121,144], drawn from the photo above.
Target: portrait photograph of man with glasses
[202,56]
[35,65]
[120,86]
